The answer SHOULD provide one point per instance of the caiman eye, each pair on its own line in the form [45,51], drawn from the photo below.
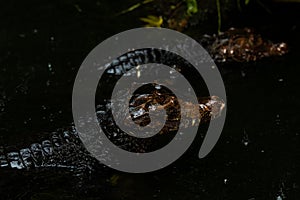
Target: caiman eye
[282,47]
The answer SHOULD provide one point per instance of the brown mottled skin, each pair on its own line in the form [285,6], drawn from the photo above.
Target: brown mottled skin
[242,45]
[208,107]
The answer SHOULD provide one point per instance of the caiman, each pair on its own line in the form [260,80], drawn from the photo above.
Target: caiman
[241,45]
[64,149]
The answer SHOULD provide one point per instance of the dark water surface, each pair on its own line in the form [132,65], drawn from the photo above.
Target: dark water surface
[42,45]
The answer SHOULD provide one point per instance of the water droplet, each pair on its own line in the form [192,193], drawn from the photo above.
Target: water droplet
[243,73]
[278,197]
[158,87]
[138,74]
[50,67]
[225,181]
[48,83]
[245,139]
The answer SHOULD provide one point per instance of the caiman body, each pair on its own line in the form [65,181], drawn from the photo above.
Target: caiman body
[241,45]
[65,150]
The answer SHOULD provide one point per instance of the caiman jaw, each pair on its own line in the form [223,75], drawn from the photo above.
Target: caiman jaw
[211,108]
[217,106]
[279,49]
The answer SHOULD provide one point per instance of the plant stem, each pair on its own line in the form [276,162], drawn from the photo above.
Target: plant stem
[219,15]
[135,6]
[239,5]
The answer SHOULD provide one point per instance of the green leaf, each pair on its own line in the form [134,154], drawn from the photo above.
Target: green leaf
[152,21]
[247,2]
[135,6]
[192,7]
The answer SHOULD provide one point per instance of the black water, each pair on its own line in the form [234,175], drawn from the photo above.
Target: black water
[42,45]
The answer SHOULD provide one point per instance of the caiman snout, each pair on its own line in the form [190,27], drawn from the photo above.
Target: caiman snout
[279,49]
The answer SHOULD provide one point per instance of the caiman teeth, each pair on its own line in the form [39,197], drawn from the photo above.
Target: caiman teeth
[193,122]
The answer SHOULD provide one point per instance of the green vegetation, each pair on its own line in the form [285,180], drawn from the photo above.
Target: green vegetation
[191,8]
[152,21]
[135,6]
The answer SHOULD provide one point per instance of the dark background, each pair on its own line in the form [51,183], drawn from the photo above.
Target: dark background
[42,44]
